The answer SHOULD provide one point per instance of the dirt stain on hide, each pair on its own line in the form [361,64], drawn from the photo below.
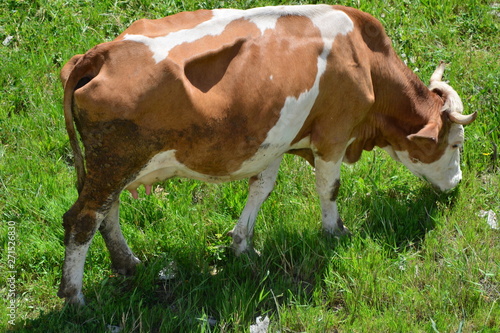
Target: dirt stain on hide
[335,190]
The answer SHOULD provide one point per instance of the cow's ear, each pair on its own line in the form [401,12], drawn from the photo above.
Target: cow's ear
[429,133]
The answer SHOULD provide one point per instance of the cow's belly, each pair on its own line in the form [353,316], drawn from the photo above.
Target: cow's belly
[165,165]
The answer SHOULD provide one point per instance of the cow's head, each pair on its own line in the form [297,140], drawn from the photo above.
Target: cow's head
[434,152]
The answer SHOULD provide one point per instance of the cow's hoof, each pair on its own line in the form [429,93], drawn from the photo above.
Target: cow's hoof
[250,252]
[338,232]
[345,232]
[72,295]
[127,268]
[242,245]
[76,300]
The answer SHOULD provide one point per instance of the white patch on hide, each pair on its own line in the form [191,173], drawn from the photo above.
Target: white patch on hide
[444,173]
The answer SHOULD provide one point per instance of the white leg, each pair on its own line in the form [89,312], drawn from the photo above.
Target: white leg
[77,241]
[260,187]
[327,185]
[122,258]
[72,279]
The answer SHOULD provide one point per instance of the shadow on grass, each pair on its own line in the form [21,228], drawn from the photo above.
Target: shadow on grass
[400,218]
[205,290]
[222,289]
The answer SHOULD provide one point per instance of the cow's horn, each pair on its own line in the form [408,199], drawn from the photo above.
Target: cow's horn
[461,119]
[438,73]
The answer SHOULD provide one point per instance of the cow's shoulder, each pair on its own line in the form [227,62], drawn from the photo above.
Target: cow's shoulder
[369,29]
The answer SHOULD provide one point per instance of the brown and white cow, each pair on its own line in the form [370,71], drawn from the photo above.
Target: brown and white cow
[219,95]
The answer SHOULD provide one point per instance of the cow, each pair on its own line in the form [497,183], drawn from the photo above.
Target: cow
[221,95]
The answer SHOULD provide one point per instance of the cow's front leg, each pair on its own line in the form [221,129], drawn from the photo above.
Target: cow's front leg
[260,187]
[328,185]
[122,259]
[80,226]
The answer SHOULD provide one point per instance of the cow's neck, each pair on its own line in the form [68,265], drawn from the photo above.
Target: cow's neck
[403,105]
[406,105]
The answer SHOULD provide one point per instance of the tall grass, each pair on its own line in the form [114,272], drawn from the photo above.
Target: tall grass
[417,261]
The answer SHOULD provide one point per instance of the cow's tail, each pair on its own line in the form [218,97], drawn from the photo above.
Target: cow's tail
[77,72]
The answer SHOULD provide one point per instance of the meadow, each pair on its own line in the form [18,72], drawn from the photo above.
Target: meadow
[417,260]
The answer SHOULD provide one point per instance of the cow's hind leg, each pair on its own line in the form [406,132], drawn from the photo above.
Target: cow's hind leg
[260,187]
[328,185]
[80,224]
[122,259]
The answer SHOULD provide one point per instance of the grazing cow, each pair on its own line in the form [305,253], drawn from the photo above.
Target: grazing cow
[220,95]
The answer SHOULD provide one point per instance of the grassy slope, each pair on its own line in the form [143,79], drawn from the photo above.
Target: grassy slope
[418,261]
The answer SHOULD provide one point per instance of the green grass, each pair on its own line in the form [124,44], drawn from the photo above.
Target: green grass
[417,261]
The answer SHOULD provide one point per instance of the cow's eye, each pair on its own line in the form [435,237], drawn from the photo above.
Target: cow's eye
[456,145]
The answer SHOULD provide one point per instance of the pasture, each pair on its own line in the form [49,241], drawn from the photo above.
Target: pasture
[417,260]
